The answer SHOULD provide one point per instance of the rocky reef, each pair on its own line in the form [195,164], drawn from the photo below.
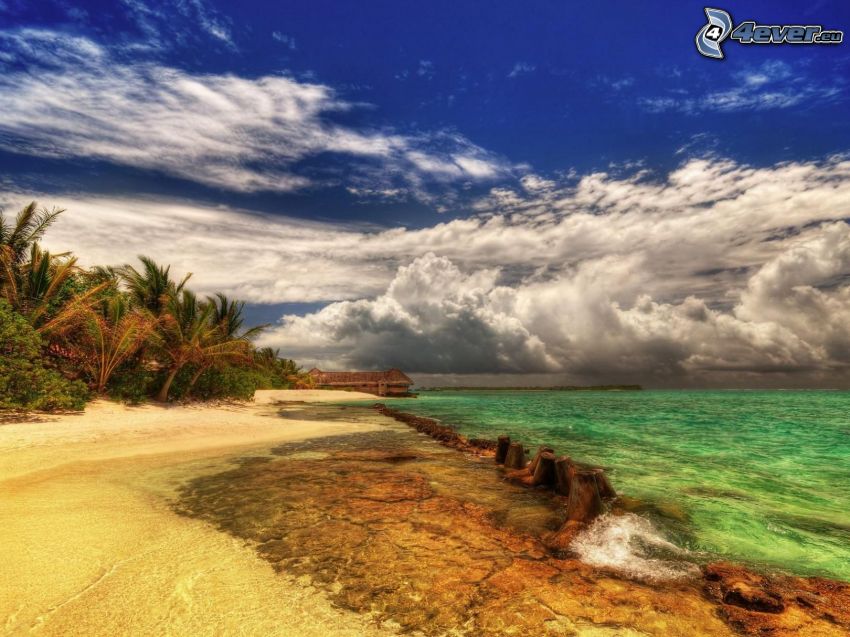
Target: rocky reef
[434,542]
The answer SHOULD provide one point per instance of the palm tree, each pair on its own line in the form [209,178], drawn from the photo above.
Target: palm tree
[110,334]
[151,288]
[17,239]
[285,370]
[226,318]
[33,280]
[187,335]
[36,288]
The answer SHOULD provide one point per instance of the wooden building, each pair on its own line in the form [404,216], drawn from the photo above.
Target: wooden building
[392,382]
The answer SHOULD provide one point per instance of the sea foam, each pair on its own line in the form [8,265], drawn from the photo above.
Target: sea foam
[634,547]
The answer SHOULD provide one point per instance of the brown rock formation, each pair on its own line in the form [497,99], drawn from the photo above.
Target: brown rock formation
[757,604]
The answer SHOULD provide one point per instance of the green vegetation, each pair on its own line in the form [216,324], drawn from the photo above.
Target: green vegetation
[25,381]
[67,333]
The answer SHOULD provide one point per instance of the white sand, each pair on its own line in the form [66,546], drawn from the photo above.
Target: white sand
[91,547]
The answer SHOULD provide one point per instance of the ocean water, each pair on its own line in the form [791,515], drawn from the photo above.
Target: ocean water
[757,477]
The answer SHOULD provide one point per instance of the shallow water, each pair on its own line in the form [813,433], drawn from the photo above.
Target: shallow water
[429,541]
[758,477]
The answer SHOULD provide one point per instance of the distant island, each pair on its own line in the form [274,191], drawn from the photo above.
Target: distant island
[553,388]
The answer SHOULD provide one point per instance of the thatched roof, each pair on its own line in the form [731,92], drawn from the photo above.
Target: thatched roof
[390,376]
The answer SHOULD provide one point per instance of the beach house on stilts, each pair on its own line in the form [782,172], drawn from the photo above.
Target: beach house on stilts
[392,382]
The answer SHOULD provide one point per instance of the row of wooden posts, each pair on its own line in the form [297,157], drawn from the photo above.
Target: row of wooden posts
[585,488]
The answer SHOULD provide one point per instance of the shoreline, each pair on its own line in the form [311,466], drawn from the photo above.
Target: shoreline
[745,597]
[92,547]
[94,492]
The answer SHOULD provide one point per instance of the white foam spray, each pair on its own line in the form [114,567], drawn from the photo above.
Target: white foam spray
[634,547]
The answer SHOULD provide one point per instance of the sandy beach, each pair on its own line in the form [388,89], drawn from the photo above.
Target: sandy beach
[292,515]
[91,547]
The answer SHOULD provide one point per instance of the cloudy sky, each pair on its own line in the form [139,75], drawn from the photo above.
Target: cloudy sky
[495,193]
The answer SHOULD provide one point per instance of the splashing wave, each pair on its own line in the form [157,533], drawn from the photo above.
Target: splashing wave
[634,547]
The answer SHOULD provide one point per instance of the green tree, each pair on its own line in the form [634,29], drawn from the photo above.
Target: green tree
[32,280]
[109,334]
[16,238]
[226,320]
[151,287]
[24,381]
[187,335]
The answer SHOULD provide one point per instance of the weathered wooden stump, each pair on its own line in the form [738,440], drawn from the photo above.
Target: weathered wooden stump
[563,467]
[544,471]
[606,490]
[515,458]
[585,503]
[502,449]
[541,449]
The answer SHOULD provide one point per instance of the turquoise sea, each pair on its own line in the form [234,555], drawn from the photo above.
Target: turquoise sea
[758,477]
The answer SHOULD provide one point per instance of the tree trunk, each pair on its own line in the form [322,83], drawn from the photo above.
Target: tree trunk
[195,378]
[563,469]
[502,449]
[162,396]
[515,459]
[585,502]
[544,471]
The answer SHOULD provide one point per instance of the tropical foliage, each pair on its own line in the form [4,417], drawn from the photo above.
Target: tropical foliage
[131,332]
[25,380]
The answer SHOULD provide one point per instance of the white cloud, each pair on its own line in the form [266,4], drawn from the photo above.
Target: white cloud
[432,317]
[521,68]
[712,270]
[243,134]
[258,258]
[773,85]
[426,69]
[436,319]
[166,24]
[284,39]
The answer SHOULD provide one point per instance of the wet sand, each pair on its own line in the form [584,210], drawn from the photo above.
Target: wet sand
[91,545]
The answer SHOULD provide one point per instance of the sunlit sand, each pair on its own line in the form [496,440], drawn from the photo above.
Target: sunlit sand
[91,547]
[289,519]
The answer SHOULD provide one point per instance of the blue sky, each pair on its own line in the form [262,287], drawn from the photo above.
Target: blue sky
[336,125]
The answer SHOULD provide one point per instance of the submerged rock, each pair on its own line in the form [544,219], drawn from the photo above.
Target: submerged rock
[778,604]
[419,537]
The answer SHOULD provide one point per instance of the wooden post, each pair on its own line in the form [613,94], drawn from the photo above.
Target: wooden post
[585,502]
[515,458]
[544,471]
[606,490]
[563,467]
[540,449]
[502,449]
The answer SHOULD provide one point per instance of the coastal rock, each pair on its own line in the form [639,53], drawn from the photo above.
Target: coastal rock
[753,598]
[775,604]
[418,537]
[439,432]
[606,490]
